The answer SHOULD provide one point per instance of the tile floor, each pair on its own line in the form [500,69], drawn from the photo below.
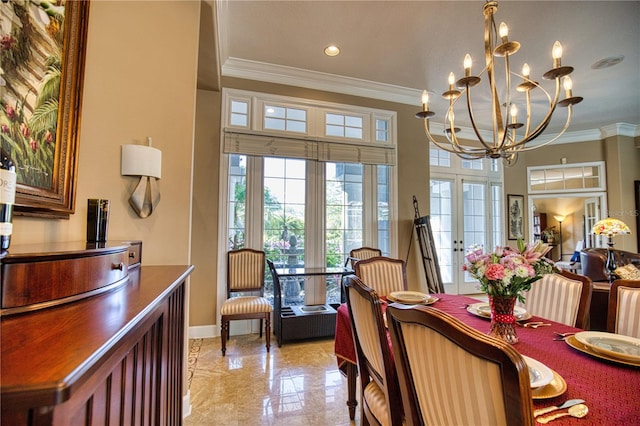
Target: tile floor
[297,384]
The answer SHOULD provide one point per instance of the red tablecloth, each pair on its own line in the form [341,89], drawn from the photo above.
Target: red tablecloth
[612,391]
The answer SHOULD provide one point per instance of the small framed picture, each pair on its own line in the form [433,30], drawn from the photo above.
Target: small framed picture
[515,216]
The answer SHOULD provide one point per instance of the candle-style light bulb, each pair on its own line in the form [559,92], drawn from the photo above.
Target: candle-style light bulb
[526,71]
[452,80]
[514,113]
[503,31]
[568,85]
[467,65]
[557,54]
[451,116]
[425,100]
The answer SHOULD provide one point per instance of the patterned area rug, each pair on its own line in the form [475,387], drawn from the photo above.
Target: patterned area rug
[192,360]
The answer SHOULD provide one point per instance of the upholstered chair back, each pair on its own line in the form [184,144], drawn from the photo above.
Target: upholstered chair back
[383,274]
[624,308]
[562,297]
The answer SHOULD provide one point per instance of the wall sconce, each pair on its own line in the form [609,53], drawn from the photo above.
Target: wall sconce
[146,162]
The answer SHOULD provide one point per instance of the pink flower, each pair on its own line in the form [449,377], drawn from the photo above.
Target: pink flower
[11,113]
[25,130]
[7,41]
[34,145]
[5,128]
[494,272]
[48,137]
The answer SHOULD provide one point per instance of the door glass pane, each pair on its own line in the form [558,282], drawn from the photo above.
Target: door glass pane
[343,218]
[383,209]
[441,216]
[473,196]
[237,201]
[284,213]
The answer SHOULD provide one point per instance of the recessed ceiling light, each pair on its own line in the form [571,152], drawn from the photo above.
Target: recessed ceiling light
[607,62]
[332,50]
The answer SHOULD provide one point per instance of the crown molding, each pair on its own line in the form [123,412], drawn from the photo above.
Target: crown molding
[260,71]
[620,129]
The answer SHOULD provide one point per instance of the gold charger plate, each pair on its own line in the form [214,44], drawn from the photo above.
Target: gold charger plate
[556,387]
[574,343]
[429,300]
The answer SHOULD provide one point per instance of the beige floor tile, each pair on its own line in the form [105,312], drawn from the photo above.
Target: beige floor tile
[296,384]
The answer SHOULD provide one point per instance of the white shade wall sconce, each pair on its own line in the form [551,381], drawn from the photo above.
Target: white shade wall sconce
[146,162]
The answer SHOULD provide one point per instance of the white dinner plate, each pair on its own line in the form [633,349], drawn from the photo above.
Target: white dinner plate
[483,309]
[412,298]
[539,374]
[613,345]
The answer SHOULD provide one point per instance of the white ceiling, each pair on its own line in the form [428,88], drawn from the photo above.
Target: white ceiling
[393,50]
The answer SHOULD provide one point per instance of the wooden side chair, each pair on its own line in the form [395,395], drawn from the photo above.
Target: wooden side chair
[383,274]
[452,374]
[563,297]
[362,253]
[380,394]
[624,308]
[245,274]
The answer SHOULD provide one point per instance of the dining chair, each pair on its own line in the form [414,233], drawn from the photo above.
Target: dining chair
[624,308]
[383,274]
[562,297]
[245,274]
[380,393]
[452,374]
[362,253]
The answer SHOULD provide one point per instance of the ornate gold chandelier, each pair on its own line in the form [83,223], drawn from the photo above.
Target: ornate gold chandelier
[506,143]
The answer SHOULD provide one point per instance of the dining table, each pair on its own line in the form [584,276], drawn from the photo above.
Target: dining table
[609,387]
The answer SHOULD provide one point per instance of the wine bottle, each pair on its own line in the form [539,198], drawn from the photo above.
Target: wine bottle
[7,198]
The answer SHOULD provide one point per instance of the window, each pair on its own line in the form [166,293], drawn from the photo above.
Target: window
[439,157]
[285,119]
[586,177]
[343,126]
[304,198]
[239,113]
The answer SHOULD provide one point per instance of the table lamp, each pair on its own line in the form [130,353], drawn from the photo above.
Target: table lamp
[610,227]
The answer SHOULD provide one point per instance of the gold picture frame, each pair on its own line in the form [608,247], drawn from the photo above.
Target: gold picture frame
[43,64]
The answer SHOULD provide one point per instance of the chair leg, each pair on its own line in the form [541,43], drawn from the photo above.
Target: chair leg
[261,329]
[224,334]
[267,331]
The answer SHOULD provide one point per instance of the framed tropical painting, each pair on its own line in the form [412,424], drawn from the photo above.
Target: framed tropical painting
[42,48]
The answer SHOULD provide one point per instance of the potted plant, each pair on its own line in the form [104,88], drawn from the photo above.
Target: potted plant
[549,235]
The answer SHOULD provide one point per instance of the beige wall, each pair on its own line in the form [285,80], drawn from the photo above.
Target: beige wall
[140,81]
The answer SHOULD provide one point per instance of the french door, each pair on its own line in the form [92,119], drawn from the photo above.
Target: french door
[459,219]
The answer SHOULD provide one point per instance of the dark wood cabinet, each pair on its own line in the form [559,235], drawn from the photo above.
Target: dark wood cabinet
[114,357]
[539,225]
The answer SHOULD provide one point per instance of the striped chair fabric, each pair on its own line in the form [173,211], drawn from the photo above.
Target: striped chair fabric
[363,253]
[451,374]
[245,274]
[383,274]
[557,297]
[381,402]
[624,308]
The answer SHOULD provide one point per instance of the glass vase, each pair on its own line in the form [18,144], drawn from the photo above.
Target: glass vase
[503,320]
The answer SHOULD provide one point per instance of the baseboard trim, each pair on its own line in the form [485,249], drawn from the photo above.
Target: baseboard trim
[203,331]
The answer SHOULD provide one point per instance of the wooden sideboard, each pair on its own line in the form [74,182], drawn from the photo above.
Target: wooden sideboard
[114,357]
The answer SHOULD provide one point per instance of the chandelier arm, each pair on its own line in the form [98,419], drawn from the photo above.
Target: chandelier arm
[545,122]
[555,138]
[489,23]
[507,104]
[472,154]
[473,120]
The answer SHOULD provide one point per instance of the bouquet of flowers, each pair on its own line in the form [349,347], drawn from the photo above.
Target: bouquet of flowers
[508,272]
